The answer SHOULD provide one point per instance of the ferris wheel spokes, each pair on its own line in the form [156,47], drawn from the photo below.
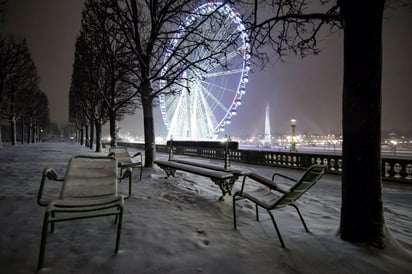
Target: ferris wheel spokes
[212,89]
[216,101]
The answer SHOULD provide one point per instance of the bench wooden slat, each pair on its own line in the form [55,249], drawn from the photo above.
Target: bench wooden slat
[213,174]
[237,172]
[205,144]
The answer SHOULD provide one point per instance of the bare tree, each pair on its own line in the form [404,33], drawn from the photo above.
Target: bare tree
[156,66]
[36,116]
[114,89]
[362,218]
[18,76]
[76,114]
[293,26]
[85,91]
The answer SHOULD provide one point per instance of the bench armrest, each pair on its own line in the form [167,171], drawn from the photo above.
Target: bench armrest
[48,173]
[127,174]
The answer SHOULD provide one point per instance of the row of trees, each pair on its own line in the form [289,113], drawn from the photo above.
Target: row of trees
[21,100]
[134,38]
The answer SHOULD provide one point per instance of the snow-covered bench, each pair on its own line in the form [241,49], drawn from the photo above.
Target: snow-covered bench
[220,175]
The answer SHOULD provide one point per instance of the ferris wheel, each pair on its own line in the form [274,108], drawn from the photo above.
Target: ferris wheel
[211,93]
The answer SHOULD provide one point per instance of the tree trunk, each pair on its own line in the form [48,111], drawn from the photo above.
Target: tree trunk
[112,128]
[22,131]
[1,100]
[87,136]
[98,136]
[149,135]
[1,137]
[362,209]
[91,135]
[34,131]
[81,136]
[29,131]
[13,130]
[40,132]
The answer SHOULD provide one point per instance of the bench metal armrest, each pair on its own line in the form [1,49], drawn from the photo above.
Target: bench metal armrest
[48,173]
[127,174]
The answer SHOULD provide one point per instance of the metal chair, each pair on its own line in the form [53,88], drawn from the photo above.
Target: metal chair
[272,196]
[89,190]
[125,160]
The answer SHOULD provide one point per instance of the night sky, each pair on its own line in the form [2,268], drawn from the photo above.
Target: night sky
[308,90]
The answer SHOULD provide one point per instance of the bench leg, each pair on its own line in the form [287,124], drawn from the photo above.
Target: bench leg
[225,186]
[169,171]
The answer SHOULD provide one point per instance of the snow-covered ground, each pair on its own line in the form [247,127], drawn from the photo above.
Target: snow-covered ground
[177,225]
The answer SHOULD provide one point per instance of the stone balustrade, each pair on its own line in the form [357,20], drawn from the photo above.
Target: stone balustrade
[393,169]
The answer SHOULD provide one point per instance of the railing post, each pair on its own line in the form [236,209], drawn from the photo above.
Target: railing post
[227,156]
[171,149]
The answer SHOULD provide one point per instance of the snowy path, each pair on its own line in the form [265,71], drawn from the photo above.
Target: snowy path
[177,225]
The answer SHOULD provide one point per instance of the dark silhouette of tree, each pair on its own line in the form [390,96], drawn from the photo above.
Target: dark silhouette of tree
[3,7]
[155,66]
[18,79]
[98,80]
[362,217]
[114,84]
[293,28]
[85,90]
[76,114]
[21,93]
[36,117]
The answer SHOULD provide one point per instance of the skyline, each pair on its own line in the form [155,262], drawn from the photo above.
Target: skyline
[308,90]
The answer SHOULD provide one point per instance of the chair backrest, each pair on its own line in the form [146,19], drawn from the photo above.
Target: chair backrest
[121,154]
[90,177]
[308,179]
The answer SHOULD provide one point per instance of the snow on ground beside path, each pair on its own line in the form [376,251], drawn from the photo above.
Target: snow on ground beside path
[177,225]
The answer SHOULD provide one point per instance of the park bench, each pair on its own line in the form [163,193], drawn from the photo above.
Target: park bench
[223,176]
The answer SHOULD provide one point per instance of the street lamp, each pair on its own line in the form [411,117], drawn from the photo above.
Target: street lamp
[394,143]
[293,139]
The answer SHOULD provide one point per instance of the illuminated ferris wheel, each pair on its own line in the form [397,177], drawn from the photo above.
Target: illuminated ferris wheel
[211,93]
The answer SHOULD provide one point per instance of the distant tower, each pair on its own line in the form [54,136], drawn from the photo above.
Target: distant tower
[267,140]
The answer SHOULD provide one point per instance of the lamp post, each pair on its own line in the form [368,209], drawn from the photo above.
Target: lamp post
[293,139]
[394,143]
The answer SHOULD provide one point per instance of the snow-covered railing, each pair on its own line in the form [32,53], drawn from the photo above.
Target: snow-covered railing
[393,168]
